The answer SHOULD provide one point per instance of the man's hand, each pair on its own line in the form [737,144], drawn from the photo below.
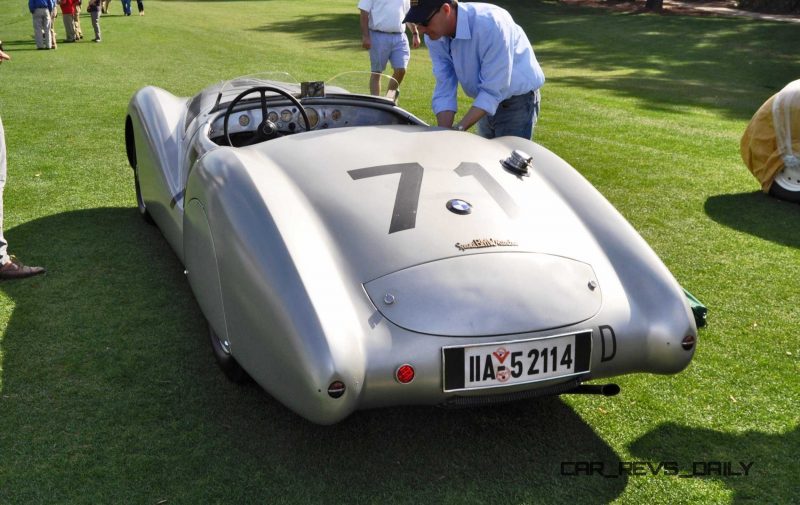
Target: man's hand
[415,40]
[366,41]
[4,56]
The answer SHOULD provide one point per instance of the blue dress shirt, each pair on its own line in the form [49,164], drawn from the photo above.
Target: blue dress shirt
[490,56]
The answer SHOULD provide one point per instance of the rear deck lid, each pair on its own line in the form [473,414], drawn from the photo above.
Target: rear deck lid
[488,294]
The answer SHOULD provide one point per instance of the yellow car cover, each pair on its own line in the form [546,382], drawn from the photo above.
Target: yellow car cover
[770,145]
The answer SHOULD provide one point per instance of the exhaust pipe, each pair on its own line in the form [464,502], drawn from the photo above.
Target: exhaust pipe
[595,389]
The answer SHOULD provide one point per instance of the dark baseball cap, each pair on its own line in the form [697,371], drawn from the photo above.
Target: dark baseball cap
[421,10]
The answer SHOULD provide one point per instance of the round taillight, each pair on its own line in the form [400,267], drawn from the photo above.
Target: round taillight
[688,342]
[404,374]
[336,389]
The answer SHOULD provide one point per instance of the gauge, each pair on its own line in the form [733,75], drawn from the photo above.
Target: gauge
[272,116]
[313,117]
[244,120]
[336,114]
[286,115]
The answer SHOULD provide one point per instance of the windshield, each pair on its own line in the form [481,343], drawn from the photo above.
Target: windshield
[356,83]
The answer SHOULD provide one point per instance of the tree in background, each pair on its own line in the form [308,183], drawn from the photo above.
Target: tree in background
[654,5]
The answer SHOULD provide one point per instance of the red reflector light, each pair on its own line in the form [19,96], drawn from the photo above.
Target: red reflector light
[336,389]
[404,374]
[688,342]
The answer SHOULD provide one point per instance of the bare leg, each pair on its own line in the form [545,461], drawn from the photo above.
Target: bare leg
[375,83]
[398,75]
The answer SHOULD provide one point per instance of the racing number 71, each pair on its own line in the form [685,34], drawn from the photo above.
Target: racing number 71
[406,201]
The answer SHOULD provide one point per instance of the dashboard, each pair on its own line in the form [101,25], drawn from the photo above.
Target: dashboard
[288,119]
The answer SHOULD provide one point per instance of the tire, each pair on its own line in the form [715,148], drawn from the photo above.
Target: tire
[130,150]
[782,193]
[140,201]
[225,360]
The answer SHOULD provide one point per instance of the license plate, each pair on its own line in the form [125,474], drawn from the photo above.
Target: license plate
[516,362]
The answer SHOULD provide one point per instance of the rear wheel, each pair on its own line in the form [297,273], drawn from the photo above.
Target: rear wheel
[139,200]
[226,361]
[130,150]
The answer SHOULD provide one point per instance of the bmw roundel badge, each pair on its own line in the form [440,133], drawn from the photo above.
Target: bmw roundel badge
[459,206]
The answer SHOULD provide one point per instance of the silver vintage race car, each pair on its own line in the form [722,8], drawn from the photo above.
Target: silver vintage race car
[347,255]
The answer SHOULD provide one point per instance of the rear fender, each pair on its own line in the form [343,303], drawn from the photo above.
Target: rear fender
[292,319]
[657,311]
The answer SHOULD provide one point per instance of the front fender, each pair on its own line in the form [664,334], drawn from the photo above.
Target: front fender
[153,132]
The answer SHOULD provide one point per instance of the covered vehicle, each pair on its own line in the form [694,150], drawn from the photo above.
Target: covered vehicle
[770,145]
[347,255]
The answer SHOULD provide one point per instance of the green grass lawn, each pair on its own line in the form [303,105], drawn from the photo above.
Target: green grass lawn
[108,389]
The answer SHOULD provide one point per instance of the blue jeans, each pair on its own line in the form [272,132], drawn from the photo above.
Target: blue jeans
[514,116]
[126,7]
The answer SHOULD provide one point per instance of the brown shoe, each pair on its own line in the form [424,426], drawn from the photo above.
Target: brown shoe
[14,269]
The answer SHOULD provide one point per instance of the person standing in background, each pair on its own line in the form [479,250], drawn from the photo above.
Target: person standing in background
[383,33]
[68,15]
[95,9]
[77,19]
[140,6]
[10,267]
[126,7]
[41,11]
[53,17]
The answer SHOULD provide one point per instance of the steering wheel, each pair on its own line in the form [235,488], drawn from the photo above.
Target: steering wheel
[267,130]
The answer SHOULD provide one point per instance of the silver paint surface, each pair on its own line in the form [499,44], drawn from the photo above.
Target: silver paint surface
[291,259]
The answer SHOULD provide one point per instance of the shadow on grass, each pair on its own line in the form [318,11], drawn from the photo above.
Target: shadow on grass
[109,389]
[702,454]
[666,62]
[509,453]
[339,30]
[12,46]
[758,214]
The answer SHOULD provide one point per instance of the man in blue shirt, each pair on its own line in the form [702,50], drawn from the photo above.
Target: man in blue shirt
[480,47]
[42,22]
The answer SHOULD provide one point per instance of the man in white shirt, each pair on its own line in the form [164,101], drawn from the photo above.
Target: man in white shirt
[383,33]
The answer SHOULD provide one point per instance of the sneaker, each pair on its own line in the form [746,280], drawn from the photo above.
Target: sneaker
[14,269]
[96,40]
